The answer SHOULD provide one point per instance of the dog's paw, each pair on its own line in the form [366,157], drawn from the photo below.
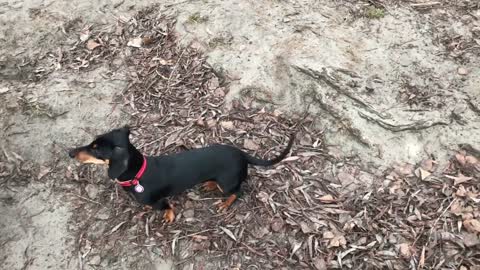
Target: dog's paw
[222,207]
[169,216]
[226,204]
[209,186]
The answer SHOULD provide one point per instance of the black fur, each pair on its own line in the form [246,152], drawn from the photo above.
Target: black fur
[168,175]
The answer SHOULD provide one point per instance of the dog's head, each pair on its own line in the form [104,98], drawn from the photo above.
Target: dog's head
[110,148]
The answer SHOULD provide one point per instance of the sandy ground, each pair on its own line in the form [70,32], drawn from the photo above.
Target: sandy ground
[385,88]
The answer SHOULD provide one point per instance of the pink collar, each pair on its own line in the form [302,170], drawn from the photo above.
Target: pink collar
[135,181]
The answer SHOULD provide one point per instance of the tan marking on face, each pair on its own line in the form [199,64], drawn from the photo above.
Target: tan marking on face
[86,158]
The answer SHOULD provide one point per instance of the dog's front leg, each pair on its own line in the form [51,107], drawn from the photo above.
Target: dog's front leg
[163,204]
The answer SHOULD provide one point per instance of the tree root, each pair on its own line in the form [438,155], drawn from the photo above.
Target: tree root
[418,125]
[326,77]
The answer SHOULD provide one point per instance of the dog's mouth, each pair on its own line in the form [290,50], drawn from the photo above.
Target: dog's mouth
[84,157]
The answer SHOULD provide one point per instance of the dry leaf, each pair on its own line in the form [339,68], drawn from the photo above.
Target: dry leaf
[213,83]
[345,178]
[471,160]
[147,40]
[337,241]
[84,35]
[229,233]
[457,207]
[219,92]
[211,123]
[472,225]
[171,139]
[162,61]
[199,238]
[405,250]
[328,235]
[405,169]
[460,158]
[459,179]
[327,199]
[43,171]
[250,145]
[305,228]
[277,224]
[421,173]
[427,164]
[295,248]
[263,196]
[292,158]
[135,42]
[260,232]
[91,45]
[4,90]
[319,263]
[473,196]
[421,262]
[461,191]
[117,227]
[227,125]
[470,239]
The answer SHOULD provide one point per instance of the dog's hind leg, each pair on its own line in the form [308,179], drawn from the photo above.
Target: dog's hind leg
[162,204]
[230,185]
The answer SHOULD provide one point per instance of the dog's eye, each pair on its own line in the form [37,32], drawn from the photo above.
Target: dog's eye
[94,146]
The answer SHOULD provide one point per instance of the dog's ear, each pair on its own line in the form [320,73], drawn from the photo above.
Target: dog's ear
[118,162]
[120,137]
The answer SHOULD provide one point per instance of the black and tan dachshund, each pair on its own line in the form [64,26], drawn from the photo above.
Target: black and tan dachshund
[152,179]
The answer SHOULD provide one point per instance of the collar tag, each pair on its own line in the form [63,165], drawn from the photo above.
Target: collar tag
[139,188]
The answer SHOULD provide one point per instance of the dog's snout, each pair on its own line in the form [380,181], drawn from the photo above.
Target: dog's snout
[72,153]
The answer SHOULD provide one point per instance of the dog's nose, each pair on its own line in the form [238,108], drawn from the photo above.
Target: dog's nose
[72,153]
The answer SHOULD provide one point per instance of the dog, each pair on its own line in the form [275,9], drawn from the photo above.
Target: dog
[152,179]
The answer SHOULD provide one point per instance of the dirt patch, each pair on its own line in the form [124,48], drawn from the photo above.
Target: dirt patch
[365,84]
[388,88]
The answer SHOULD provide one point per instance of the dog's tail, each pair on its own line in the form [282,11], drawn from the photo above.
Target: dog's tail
[263,162]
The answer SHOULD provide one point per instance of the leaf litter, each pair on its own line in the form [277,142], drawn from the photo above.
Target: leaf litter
[310,211]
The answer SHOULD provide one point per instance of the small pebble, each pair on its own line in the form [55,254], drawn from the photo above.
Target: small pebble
[190,213]
[95,260]
[462,71]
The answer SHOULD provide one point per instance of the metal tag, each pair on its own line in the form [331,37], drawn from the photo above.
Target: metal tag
[139,188]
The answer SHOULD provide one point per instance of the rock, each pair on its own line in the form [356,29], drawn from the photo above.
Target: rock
[97,230]
[466,19]
[95,260]
[190,213]
[476,30]
[462,71]
[470,239]
[92,191]
[277,224]
[405,251]
[405,60]
[103,214]
[188,267]
[345,179]
[4,90]
[11,102]
[260,232]
[189,204]
[250,145]
[319,263]
[213,83]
